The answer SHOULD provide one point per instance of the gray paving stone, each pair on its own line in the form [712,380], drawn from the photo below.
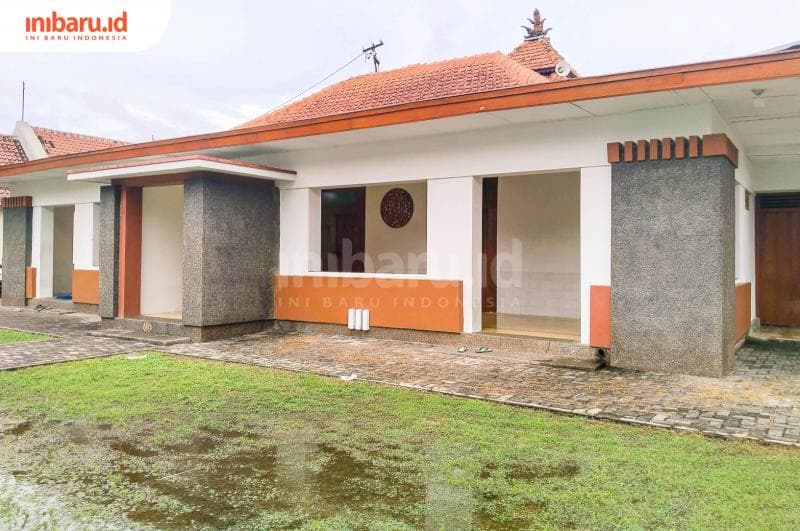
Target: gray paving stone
[759,400]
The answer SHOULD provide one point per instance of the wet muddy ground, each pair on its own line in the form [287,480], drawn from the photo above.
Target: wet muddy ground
[277,476]
[159,441]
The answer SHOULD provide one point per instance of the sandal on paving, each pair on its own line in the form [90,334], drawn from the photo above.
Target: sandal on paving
[482,350]
[462,349]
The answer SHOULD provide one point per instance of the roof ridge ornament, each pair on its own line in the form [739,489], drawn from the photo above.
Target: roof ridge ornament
[536,30]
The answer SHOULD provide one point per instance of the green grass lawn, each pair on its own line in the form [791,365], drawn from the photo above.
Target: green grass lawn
[175,442]
[8,335]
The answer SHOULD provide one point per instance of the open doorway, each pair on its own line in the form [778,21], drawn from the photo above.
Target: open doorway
[162,252]
[375,229]
[63,229]
[343,230]
[531,247]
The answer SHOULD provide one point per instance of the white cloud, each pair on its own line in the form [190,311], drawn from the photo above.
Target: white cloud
[220,64]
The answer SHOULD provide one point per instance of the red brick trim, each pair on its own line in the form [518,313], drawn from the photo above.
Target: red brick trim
[642,150]
[667,149]
[630,151]
[655,149]
[17,202]
[694,146]
[719,145]
[713,145]
[680,147]
[614,152]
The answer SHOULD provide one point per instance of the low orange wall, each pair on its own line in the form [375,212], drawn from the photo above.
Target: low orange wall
[434,305]
[30,282]
[600,316]
[742,310]
[86,286]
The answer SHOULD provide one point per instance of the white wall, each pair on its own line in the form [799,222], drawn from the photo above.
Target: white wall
[777,176]
[400,250]
[162,250]
[595,237]
[86,245]
[62,249]
[538,248]
[56,192]
[300,239]
[745,243]
[454,239]
[42,250]
[1,236]
[525,148]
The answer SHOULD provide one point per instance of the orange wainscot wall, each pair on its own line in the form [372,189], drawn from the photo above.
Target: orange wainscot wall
[600,316]
[30,282]
[414,304]
[742,310]
[86,286]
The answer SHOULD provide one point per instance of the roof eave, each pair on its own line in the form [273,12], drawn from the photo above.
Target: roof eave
[743,69]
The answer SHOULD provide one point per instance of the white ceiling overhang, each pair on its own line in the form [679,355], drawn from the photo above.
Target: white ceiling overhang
[179,165]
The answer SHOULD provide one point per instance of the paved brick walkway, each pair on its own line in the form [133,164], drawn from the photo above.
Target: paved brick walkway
[69,340]
[759,400]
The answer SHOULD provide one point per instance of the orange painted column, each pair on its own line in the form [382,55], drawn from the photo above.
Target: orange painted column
[600,316]
[130,252]
[30,282]
[741,311]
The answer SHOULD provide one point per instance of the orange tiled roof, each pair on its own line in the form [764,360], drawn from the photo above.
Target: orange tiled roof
[537,55]
[63,143]
[453,77]
[11,151]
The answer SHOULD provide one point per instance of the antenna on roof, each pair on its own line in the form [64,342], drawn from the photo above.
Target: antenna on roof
[23,102]
[371,53]
[324,79]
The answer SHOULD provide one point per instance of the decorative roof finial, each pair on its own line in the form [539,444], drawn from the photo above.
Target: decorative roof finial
[536,30]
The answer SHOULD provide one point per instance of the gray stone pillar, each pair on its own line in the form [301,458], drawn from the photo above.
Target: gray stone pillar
[17,244]
[672,260]
[109,250]
[230,245]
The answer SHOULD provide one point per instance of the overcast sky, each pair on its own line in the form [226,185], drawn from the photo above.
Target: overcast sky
[222,63]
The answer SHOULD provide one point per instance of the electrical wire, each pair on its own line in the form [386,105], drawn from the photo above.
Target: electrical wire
[318,83]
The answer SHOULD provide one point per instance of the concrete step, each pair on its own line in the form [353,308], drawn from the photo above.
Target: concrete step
[580,364]
[141,337]
[155,327]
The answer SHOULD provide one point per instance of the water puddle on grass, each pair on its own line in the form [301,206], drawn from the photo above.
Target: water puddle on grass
[220,478]
[21,428]
[529,472]
[272,478]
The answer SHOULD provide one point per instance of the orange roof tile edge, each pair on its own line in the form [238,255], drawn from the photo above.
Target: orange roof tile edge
[718,72]
[473,74]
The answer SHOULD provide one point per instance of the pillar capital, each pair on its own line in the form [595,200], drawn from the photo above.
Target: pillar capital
[711,145]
